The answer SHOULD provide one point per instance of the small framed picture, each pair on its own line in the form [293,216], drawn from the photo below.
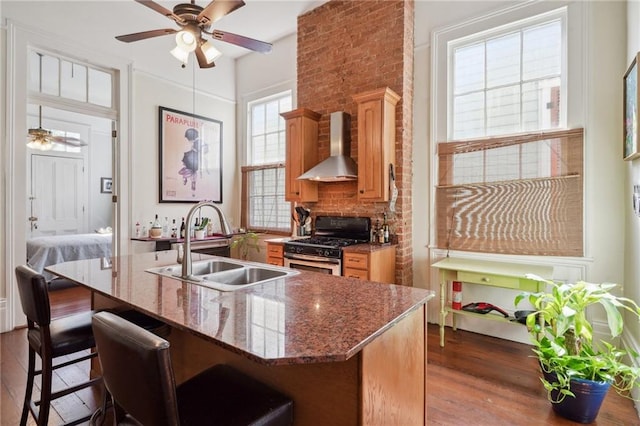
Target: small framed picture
[105,185]
[631,145]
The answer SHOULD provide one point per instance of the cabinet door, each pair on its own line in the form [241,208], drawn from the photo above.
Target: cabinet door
[376,142]
[301,154]
[370,155]
[293,164]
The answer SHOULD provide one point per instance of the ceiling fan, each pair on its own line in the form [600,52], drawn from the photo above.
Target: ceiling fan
[44,139]
[194,21]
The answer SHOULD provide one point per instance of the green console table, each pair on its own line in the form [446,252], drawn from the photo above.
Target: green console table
[487,273]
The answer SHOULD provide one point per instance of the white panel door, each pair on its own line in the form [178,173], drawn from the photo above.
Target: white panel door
[58,188]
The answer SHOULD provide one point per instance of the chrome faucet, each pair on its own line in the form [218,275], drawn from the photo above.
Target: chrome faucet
[224,225]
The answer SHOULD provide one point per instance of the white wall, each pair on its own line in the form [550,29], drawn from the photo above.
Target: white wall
[595,79]
[631,172]
[150,92]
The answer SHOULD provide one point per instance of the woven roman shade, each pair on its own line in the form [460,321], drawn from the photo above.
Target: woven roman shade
[519,194]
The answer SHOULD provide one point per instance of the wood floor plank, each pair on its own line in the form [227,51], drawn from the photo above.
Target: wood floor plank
[474,380]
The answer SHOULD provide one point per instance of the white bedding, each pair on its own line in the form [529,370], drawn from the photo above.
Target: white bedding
[45,251]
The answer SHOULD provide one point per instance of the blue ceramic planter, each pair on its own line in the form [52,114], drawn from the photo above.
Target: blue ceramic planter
[585,406]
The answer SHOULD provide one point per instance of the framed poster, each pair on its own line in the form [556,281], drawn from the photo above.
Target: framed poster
[630,149]
[190,157]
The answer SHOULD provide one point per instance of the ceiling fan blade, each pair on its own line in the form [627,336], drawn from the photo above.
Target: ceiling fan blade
[161,9]
[202,59]
[67,140]
[128,38]
[219,8]
[242,41]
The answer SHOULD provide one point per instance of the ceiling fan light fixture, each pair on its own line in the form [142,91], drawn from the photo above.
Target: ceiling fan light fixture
[210,52]
[186,40]
[180,54]
[41,143]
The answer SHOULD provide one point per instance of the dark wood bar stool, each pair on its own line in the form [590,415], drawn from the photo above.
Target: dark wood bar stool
[137,372]
[50,339]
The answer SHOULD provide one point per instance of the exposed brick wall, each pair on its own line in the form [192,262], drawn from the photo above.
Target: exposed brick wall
[350,47]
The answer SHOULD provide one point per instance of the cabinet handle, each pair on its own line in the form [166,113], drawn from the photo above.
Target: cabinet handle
[362,191]
[297,193]
[485,279]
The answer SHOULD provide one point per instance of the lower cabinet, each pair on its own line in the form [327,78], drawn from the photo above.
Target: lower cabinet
[275,254]
[370,262]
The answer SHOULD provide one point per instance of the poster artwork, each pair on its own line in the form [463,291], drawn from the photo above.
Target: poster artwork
[190,157]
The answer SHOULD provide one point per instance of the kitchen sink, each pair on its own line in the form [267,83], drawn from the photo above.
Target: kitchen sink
[247,275]
[225,276]
[197,268]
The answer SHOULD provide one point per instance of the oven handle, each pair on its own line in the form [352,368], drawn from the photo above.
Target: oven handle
[317,259]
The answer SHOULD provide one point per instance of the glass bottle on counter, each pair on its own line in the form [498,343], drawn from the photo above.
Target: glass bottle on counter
[174,229]
[165,227]
[182,229]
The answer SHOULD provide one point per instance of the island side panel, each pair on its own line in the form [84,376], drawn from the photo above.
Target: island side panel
[394,374]
[323,393]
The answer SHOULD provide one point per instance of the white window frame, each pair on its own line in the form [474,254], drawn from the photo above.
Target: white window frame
[511,27]
[248,156]
[575,97]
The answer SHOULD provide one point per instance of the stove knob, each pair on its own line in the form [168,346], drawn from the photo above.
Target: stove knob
[326,253]
[298,249]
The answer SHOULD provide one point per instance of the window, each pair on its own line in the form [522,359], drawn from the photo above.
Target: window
[51,75]
[509,174]
[507,81]
[264,206]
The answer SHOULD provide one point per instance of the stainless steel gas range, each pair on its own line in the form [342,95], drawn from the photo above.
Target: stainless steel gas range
[322,252]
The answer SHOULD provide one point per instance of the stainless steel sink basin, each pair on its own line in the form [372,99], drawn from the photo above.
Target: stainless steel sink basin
[246,275]
[225,276]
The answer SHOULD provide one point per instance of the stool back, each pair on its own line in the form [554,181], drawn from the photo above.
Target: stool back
[136,368]
[33,296]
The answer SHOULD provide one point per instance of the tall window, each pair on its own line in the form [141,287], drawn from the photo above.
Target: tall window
[264,206]
[509,174]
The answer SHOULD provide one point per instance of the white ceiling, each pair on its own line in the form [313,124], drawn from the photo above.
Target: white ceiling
[97,22]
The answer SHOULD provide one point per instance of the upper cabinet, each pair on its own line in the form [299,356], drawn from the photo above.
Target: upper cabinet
[302,154]
[376,142]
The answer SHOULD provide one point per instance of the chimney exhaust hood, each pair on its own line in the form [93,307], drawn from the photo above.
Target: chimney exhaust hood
[339,167]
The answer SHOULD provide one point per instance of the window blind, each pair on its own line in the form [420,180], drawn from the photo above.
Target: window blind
[519,194]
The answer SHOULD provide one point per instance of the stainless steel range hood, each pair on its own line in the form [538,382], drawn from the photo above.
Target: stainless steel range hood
[339,166]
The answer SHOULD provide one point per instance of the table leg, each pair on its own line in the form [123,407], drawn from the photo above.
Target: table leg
[443,307]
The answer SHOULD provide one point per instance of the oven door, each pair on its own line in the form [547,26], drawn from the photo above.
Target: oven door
[312,263]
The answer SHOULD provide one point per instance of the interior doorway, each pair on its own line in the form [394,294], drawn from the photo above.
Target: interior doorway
[66,184]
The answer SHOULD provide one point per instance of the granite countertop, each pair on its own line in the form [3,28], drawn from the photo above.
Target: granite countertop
[305,318]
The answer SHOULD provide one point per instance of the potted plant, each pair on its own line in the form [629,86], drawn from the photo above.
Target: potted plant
[245,242]
[577,372]
[201,229]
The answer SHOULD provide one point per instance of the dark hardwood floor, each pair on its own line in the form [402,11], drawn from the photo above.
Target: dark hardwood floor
[473,380]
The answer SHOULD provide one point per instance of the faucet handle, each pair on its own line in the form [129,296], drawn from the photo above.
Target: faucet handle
[180,253]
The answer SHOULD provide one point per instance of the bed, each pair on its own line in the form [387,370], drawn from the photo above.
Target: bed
[50,250]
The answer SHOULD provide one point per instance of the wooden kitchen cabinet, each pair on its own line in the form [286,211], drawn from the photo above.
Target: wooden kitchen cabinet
[376,142]
[370,262]
[301,154]
[275,254]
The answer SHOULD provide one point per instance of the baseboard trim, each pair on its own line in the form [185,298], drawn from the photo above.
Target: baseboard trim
[3,315]
[629,343]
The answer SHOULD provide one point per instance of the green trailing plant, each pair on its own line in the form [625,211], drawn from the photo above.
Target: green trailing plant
[203,225]
[246,242]
[563,336]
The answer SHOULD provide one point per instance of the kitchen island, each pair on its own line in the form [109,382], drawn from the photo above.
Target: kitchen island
[347,351]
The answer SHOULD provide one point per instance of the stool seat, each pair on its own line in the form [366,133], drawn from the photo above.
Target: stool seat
[138,374]
[68,334]
[236,399]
